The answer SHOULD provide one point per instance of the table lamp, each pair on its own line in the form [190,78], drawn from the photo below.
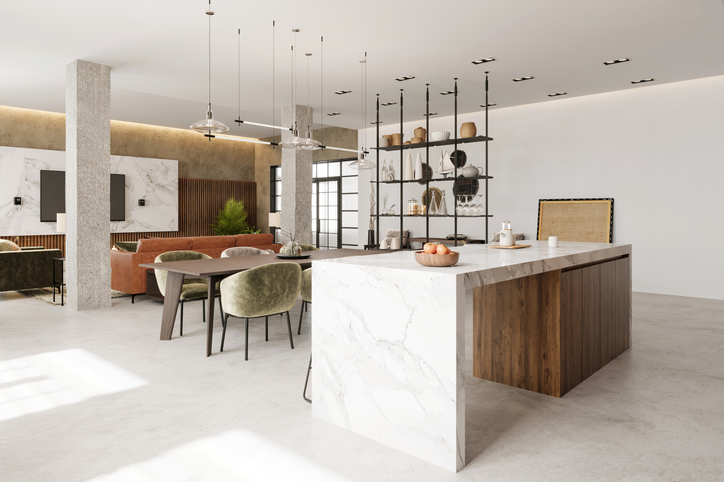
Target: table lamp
[275,221]
[60,220]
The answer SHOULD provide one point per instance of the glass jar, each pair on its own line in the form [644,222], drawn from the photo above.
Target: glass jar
[413,207]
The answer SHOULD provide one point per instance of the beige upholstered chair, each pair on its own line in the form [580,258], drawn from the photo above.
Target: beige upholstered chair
[244,251]
[260,292]
[308,247]
[193,289]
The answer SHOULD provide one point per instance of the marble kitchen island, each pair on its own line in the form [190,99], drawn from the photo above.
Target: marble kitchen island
[388,335]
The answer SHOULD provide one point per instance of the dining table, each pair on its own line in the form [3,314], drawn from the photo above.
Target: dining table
[216,269]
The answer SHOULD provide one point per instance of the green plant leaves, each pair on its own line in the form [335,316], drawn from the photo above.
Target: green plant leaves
[232,219]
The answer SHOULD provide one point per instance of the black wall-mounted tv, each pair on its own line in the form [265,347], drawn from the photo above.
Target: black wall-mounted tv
[52,196]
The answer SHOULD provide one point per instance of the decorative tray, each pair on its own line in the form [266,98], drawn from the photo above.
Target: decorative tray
[515,246]
[287,256]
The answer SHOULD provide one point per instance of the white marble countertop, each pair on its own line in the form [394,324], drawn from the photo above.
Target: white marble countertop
[480,264]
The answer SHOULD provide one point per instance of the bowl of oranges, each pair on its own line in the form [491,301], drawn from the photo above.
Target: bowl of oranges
[436,255]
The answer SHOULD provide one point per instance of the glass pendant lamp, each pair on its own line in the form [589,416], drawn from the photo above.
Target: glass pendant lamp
[209,125]
[363,163]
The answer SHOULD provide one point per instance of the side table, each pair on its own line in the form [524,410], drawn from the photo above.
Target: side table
[59,283]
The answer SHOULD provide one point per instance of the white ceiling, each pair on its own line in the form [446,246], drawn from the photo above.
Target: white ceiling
[158,52]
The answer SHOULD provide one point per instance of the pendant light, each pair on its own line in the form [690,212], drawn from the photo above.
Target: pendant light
[309,143]
[209,125]
[295,142]
[363,162]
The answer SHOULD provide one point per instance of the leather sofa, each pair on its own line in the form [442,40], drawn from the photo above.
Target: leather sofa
[27,268]
[129,277]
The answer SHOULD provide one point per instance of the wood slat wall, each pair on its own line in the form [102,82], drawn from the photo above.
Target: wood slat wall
[199,200]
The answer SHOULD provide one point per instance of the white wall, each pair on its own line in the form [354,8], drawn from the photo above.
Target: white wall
[657,150]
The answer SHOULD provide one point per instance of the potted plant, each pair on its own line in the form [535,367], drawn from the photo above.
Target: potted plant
[232,219]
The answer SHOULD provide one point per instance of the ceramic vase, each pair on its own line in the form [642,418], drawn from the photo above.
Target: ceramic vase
[468,129]
[408,174]
[421,133]
[418,167]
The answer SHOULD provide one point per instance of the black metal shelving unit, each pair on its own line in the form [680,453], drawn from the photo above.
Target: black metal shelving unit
[426,145]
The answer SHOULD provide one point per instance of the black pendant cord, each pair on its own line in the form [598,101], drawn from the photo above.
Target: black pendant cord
[457,159]
[274,83]
[210,115]
[487,173]
[377,170]
[427,163]
[238,75]
[402,171]
[321,85]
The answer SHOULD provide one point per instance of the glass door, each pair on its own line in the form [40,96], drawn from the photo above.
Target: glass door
[326,213]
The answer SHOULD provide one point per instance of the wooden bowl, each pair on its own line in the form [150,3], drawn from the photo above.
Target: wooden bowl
[437,260]
[416,140]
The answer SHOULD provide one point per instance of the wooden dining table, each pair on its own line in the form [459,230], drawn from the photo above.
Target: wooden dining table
[216,269]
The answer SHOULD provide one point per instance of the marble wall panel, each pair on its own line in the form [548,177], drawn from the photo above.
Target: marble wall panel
[155,180]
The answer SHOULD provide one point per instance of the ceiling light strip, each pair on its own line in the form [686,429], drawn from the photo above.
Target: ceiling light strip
[484,61]
[523,79]
[642,81]
[242,139]
[617,61]
[262,125]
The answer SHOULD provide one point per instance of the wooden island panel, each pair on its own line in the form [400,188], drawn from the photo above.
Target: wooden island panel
[549,332]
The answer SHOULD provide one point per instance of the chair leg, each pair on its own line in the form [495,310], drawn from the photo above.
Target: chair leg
[221,308]
[224,320]
[306,382]
[181,326]
[289,325]
[203,309]
[133,298]
[266,322]
[246,343]
[301,315]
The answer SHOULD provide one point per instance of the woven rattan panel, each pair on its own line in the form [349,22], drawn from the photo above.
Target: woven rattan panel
[583,220]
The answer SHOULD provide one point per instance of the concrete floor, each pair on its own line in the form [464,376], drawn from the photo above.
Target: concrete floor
[654,413]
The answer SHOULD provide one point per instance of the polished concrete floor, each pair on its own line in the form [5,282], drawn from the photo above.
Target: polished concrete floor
[96,395]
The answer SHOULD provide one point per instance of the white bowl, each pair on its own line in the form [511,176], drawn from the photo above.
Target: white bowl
[440,136]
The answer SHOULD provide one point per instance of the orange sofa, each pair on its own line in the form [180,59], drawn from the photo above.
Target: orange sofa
[129,277]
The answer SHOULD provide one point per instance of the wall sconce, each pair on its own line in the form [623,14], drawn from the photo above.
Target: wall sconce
[17,201]
[141,202]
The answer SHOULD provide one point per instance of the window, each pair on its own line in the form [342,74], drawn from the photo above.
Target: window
[334,202]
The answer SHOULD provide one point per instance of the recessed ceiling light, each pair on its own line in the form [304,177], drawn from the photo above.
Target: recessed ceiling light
[617,61]
[557,94]
[431,113]
[641,81]
[489,105]
[342,92]
[521,79]
[404,78]
[334,113]
[376,122]
[388,103]
[448,92]
[484,61]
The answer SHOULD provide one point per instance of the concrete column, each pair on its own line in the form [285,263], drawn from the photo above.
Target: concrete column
[87,184]
[296,180]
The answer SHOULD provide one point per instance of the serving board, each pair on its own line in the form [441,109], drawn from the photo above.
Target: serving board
[515,246]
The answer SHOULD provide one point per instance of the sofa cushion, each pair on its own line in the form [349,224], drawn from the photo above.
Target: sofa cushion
[7,245]
[262,239]
[131,246]
[201,242]
[162,245]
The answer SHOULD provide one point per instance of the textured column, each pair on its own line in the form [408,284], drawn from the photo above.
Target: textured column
[87,184]
[296,181]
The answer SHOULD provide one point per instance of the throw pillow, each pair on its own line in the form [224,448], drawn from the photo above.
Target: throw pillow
[7,245]
[131,246]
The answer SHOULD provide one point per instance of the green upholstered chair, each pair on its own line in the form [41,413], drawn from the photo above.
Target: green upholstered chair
[244,251]
[305,292]
[308,247]
[193,289]
[260,292]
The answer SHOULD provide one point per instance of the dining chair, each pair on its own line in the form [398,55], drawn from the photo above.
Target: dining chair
[193,289]
[305,292]
[244,251]
[259,293]
[308,247]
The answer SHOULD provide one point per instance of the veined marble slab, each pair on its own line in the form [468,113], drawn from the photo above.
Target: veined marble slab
[155,180]
[388,346]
